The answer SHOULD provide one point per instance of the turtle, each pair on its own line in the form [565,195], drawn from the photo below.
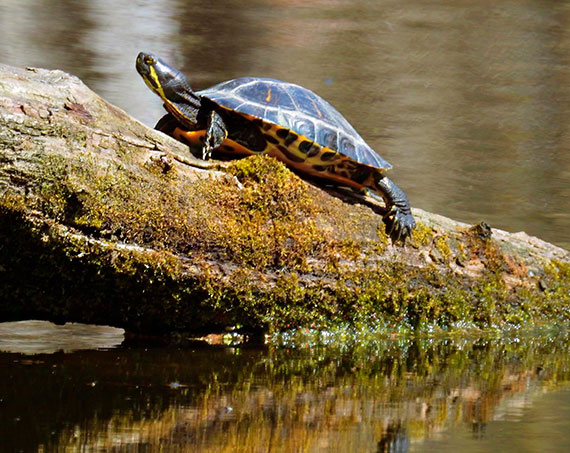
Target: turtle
[255,115]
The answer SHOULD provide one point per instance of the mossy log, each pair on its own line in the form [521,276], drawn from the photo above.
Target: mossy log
[104,220]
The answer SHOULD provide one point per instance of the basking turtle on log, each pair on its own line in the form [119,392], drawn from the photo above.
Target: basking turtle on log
[253,115]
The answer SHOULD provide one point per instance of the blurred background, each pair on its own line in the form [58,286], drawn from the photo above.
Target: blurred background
[470,101]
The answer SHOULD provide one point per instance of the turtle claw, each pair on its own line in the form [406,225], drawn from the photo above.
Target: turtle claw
[399,224]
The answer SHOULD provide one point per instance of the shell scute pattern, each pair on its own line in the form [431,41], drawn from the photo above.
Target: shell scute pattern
[252,109]
[298,109]
[328,137]
[266,93]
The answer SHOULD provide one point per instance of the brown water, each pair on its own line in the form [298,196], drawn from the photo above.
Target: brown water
[469,100]
[509,394]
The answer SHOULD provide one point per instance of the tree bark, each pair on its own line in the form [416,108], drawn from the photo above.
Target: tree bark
[105,220]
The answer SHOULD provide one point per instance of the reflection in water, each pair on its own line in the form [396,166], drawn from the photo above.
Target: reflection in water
[386,395]
[469,100]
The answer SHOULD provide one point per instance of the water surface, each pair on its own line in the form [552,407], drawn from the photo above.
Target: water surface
[508,394]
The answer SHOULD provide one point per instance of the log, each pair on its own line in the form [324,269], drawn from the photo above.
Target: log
[104,220]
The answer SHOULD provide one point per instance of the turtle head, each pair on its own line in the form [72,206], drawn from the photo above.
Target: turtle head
[171,85]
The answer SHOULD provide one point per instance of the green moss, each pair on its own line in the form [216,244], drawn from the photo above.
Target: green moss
[422,234]
[265,219]
[389,295]
[489,295]
[290,266]
[442,245]
[100,197]
[556,285]
[12,202]
[52,187]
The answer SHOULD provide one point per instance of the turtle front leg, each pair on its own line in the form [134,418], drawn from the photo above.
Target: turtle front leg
[216,133]
[398,218]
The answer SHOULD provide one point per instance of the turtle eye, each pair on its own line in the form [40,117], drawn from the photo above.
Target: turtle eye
[149,61]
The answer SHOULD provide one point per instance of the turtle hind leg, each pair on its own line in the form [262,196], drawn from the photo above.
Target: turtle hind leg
[398,219]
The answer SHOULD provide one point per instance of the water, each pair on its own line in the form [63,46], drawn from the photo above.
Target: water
[470,101]
[509,394]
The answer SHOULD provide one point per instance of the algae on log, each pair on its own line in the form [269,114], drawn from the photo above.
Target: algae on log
[104,220]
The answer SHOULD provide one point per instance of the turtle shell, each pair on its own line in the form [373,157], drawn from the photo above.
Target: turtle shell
[297,109]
